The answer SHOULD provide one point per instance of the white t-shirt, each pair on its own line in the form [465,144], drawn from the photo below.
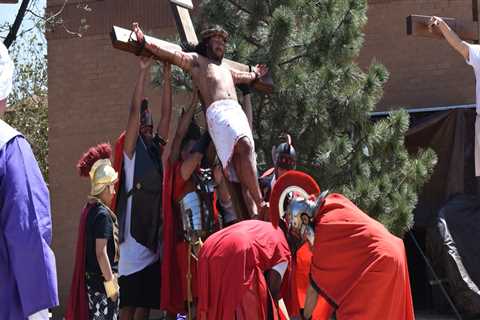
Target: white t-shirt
[474,61]
[133,256]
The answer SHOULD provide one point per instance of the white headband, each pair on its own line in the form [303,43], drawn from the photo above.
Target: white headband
[6,72]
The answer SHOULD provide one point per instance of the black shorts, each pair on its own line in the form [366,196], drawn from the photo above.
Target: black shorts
[141,289]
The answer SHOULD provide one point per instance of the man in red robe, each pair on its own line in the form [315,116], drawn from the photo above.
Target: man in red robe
[243,272]
[357,266]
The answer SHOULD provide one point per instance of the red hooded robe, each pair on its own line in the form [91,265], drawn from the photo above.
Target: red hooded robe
[358,266]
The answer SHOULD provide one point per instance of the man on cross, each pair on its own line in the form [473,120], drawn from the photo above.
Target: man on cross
[227,123]
[471,54]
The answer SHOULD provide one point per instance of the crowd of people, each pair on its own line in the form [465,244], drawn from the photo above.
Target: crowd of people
[183,223]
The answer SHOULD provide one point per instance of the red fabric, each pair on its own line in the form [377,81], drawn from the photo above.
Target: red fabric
[172,298]
[117,165]
[234,259]
[359,264]
[77,308]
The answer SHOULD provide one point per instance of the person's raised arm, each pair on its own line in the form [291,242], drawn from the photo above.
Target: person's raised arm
[310,302]
[452,38]
[172,149]
[248,77]
[184,60]
[247,102]
[133,124]
[164,125]
[195,157]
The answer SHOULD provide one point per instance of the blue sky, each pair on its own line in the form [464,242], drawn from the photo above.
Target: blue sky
[8,12]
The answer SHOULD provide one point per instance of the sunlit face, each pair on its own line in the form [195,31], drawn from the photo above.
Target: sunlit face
[217,47]
[108,193]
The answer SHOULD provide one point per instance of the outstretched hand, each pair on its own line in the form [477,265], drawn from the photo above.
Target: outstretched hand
[434,22]
[138,32]
[260,70]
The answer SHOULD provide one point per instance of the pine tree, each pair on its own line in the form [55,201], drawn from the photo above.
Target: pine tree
[323,100]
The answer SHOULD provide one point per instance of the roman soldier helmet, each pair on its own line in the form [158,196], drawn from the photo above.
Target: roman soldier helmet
[146,119]
[304,202]
[284,155]
[96,165]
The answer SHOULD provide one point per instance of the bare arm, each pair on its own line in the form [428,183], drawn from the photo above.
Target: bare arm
[247,107]
[190,164]
[163,126]
[102,258]
[179,58]
[172,149]
[133,124]
[248,77]
[452,38]
[310,301]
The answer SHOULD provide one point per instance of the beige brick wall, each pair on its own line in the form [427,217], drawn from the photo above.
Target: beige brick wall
[90,86]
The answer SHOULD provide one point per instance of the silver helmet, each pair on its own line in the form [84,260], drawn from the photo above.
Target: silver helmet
[296,200]
[300,214]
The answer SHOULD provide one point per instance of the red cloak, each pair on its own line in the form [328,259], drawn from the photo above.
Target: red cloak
[231,266]
[172,297]
[118,166]
[358,265]
[77,308]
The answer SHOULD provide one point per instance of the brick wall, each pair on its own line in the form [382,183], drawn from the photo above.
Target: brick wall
[90,86]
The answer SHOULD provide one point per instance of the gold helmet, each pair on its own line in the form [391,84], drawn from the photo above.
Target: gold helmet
[102,175]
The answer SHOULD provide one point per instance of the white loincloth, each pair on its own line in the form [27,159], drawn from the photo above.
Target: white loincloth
[227,123]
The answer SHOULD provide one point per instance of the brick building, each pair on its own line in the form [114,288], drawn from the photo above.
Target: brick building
[90,85]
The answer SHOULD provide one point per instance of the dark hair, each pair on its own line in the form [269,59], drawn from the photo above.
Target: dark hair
[193,133]
[200,48]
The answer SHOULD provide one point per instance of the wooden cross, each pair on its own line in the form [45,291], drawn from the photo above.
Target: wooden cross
[417,25]
[125,40]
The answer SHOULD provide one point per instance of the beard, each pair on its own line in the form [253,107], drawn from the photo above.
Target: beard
[214,56]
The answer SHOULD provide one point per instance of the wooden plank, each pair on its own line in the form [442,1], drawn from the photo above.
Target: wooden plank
[188,4]
[184,24]
[417,25]
[125,40]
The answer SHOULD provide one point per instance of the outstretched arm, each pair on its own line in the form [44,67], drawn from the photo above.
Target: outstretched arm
[163,126]
[248,77]
[452,38]
[133,124]
[247,103]
[179,58]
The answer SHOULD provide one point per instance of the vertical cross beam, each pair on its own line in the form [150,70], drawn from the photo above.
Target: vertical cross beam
[181,13]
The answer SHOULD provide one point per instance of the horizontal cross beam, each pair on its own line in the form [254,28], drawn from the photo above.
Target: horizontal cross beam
[125,40]
[417,25]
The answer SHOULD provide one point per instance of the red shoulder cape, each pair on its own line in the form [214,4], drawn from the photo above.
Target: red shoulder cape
[77,308]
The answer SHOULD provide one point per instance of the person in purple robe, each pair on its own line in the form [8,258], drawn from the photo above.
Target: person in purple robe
[28,279]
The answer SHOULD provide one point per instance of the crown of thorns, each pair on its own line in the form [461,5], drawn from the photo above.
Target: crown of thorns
[214,31]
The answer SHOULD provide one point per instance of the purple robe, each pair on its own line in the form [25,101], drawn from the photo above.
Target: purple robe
[28,279]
